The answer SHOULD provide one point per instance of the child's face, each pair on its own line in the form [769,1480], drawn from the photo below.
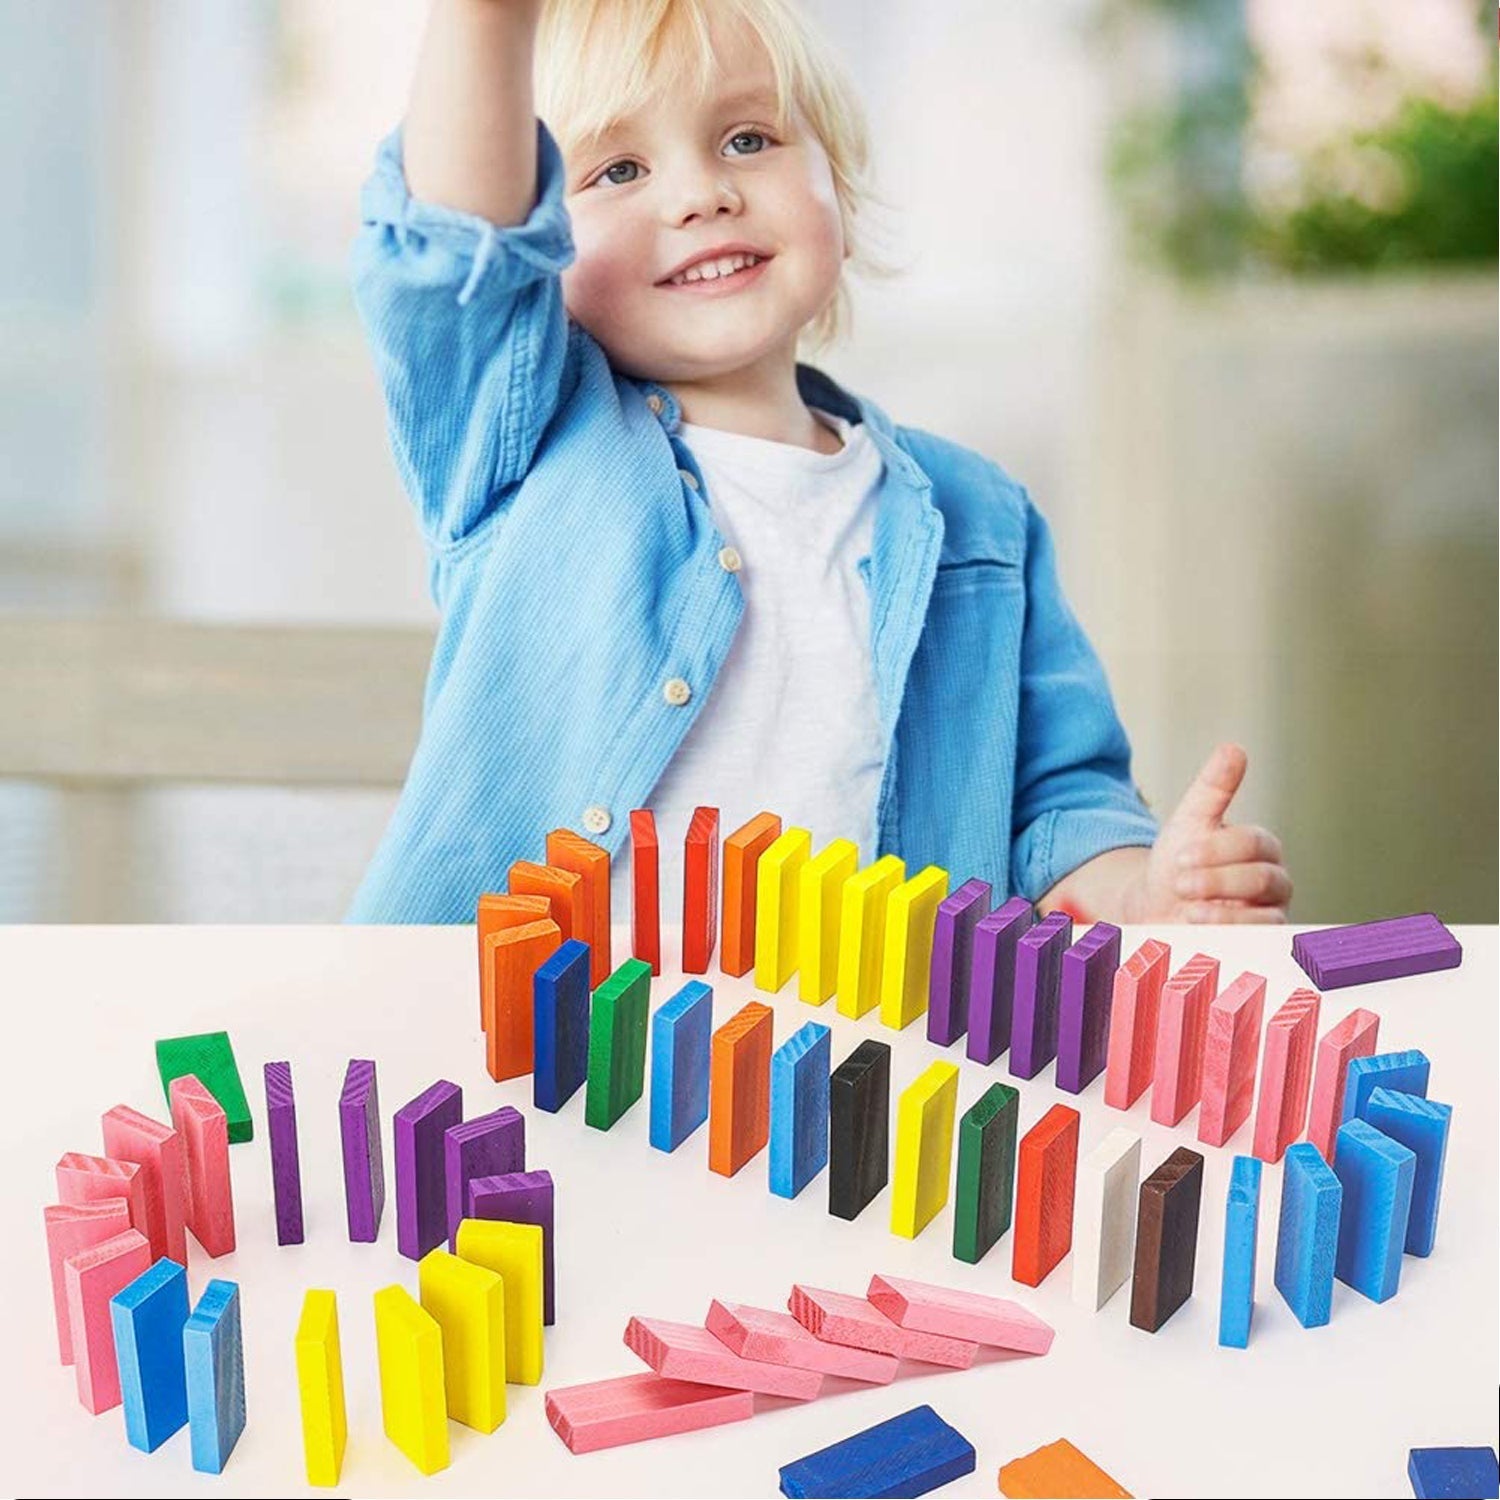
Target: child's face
[683,176]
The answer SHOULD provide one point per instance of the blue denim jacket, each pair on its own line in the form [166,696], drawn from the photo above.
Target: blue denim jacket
[585,612]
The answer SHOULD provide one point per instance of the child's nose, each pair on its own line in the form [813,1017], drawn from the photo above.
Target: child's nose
[703,197]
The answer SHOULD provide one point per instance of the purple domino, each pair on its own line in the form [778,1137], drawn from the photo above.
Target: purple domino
[1088,989]
[286,1167]
[993,977]
[484,1147]
[1334,957]
[952,961]
[520,1198]
[421,1194]
[1033,1025]
[364,1165]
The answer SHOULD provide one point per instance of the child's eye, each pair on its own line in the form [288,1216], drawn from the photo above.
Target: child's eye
[748,142]
[619,172]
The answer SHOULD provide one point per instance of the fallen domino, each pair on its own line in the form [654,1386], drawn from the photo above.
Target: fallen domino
[911,1454]
[838,1318]
[1058,1471]
[1452,1472]
[777,1338]
[974,1317]
[1365,952]
[634,1408]
[681,1351]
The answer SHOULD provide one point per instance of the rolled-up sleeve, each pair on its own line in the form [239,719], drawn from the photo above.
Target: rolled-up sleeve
[1074,796]
[469,333]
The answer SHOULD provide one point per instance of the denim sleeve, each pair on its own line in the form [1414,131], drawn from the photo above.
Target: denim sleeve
[1074,797]
[468,329]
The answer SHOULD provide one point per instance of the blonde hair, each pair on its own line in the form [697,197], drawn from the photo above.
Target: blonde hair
[598,61]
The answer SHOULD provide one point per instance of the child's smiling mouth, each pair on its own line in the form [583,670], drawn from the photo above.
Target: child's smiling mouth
[725,272]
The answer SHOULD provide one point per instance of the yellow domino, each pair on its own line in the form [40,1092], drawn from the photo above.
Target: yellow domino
[320,1388]
[924,1148]
[822,899]
[468,1302]
[514,1253]
[910,916]
[778,891]
[409,1345]
[862,934]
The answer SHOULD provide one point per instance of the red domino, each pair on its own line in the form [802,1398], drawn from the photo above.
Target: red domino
[1046,1168]
[1180,1031]
[1132,1023]
[1229,1051]
[700,890]
[645,889]
[1354,1036]
[1285,1074]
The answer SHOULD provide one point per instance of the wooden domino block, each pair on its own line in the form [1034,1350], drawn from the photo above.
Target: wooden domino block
[862,922]
[213,1353]
[419,1129]
[680,1039]
[617,1044]
[515,1253]
[320,1388]
[739,1095]
[645,889]
[567,850]
[1286,1073]
[1354,1036]
[1376,1174]
[1046,1164]
[986,1172]
[777,1338]
[522,1198]
[633,1408]
[995,1322]
[513,957]
[924,1148]
[1104,1218]
[799,1109]
[1166,1239]
[467,1302]
[1058,1471]
[1033,1025]
[1369,951]
[1405,1072]
[286,1163]
[742,851]
[91,1278]
[1444,1472]
[562,889]
[1087,992]
[909,1454]
[1421,1125]
[1181,1029]
[482,1147]
[364,1162]
[1241,1227]
[413,1393]
[778,907]
[856,1323]
[560,1026]
[200,1120]
[1307,1234]
[148,1317]
[497,912]
[82,1178]
[700,890]
[208,1057]
[680,1351]
[906,967]
[157,1150]
[951,975]
[1230,1048]
[859,1110]
[992,981]
[71,1229]
[818,922]
[1133,1019]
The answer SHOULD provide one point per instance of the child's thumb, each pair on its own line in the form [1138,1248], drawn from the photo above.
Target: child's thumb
[1207,799]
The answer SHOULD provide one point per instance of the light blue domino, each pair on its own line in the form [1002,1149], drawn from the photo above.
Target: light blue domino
[1307,1235]
[215,1359]
[1403,1071]
[148,1318]
[1421,1125]
[1241,1222]
[1377,1175]
[680,1039]
[799,1109]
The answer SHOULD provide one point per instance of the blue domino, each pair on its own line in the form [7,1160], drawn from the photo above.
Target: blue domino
[1453,1472]
[799,1109]
[560,1026]
[1241,1222]
[1377,1175]
[1422,1126]
[680,1033]
[1404,1071]
[1307,1235]
[908,1455]
[148,1317]
[215,1360]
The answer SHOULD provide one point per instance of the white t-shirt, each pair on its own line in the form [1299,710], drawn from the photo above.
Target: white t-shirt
[792,724]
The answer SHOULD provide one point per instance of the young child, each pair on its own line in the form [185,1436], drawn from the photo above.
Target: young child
[674,565]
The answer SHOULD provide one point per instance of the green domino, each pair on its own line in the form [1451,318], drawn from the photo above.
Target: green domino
[617,1044]
[986,1172]
[210,1059]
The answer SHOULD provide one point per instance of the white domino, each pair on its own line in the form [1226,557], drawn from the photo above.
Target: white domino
[1104,1218]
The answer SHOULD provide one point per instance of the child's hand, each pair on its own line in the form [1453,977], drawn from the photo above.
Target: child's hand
[1200,870]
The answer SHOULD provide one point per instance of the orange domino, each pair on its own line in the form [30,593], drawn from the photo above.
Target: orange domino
[645,889]
[1046,1166]
[571,851]
[1132,1023]
[512,957]
[1285,1074]
[739,1081]
[562,888]
[1057,1470]
[742,851]
[700,890]
[1181,1029]
[1354,1036]
[494,913]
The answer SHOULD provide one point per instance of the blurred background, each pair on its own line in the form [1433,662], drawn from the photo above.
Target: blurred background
[1215,278]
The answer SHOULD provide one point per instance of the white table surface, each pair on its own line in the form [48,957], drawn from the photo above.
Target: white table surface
[1328,1411]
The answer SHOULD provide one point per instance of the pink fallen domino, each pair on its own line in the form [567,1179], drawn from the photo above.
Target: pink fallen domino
[838,1318]
[680,1351]
[777,1338]
[634,1408]
[993,1321]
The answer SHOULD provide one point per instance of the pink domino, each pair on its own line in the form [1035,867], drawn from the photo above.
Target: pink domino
[90,1179]
[838,1318]
[1354,1036]
[778,1338]
[1286,1071]
[1230,1048]
[200,1121]
[72,1227]
[992,1321]
[1180,1031]
[157,1149]
[633,1408]
[92,1277]
[681,1351]
[1132,1023]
